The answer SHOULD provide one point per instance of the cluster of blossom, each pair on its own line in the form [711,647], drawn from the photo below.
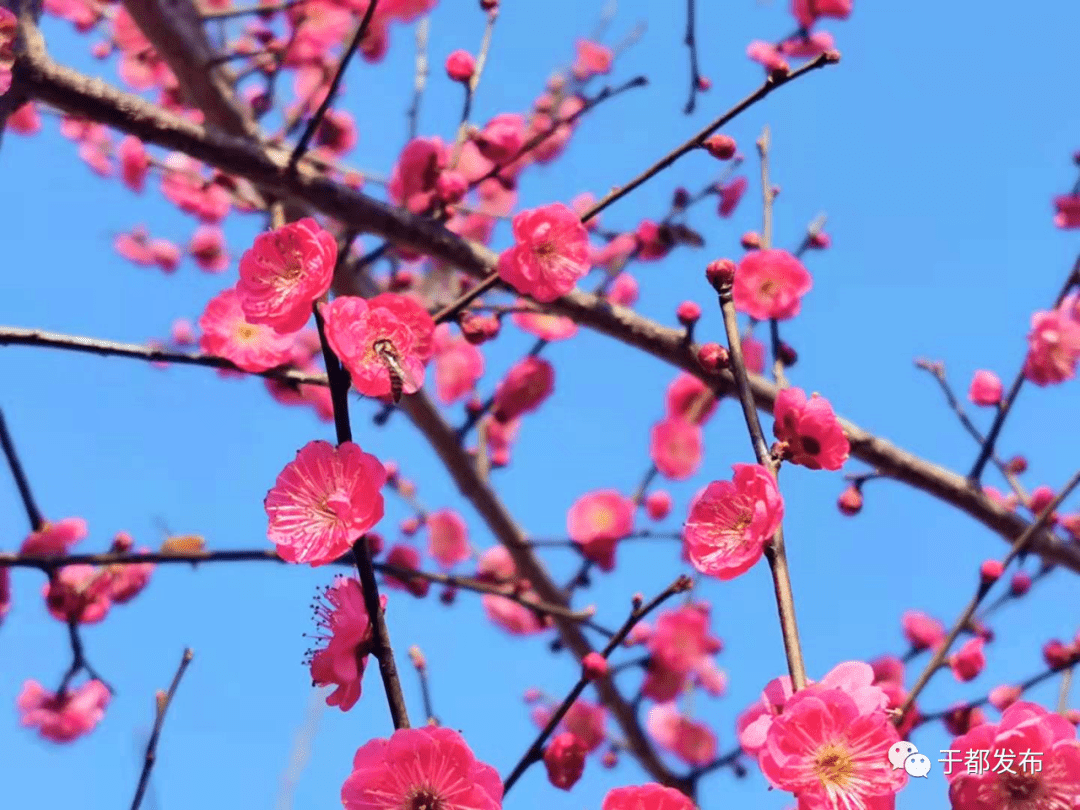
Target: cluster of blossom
[75,595]
[806,43]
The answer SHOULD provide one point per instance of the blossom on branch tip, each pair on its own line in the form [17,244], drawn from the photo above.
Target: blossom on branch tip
[550,253]
[986,388]
[460,66]
[564,759]
[969,660]
[807,12]
[730,523]
[922,632]
[79,593]
[458,365]
[1053,346]
[731,193]
[593,59]
[406,558]
[284,272]
[346,641]
[429,767]
[207,247]
[692,742]
[323,501]
[62,718]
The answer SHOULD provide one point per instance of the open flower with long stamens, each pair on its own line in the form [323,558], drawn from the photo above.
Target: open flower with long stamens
[346,640]
[832,755]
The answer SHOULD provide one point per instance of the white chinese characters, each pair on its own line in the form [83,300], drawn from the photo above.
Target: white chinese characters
[978,761]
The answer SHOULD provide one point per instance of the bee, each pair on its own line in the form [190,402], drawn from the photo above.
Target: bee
[399,377]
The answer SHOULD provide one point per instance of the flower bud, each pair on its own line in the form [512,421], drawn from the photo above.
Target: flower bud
[750,240]
[720,273]
[688,313]
[990,571]
[721,147]
[850,501]
[712,356]
[460,66]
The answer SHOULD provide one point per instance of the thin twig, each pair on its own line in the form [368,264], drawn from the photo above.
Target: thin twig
[1014,390]
[164,700]
[470,87]
[774,550]
[983,588]
[1063,692]
[419,663]
[412,115]
[771,84]
[33,514]
[639,612]
[690,41]
[315,120]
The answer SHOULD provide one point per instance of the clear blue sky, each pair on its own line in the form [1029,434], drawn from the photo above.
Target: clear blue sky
[934,147]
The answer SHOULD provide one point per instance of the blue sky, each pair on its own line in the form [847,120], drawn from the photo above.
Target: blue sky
[934,148]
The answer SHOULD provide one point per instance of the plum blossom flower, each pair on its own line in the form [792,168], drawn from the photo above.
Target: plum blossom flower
[597,522]
[361,333]
[323,501]
[564,759]
[829,753]
[1052,783]
[593,59]
[550,253]
[767,55]
[497,567]
[585,720]
[986,388]
[646,797]
[680,648]
[690,398]
[54,538]
[414,180]
[969,660]
[448,538]
[855,678]
[407,559]
[458,365]
[134,162]
[1053,347]
[207,247]
[922,632]
[692,742]
[346,639]
[78,593]
[62,718]
[676,447]
[1067,208]
[730,523]
[430,767]
[807,12]
[284,272]
[731,194]
[770,284]
[524,388]
[501,138]
[543,324]
[810,430]
[226,333]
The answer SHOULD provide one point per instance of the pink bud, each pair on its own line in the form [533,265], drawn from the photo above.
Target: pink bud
[1017,465]
[721,147]
[1004,696]
[658,504]
[961,719]
[986,388]
[750,240]
[1056,654]
[820,240]
[990,571]
[850,501]
[594,666]
[688,313]
[122,543]
[533,695]
[969,660]
[409,526]
[448,595]
[720,273]
[460,66]
[1020,584]
[375,543]
[712,356]
[704,83]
